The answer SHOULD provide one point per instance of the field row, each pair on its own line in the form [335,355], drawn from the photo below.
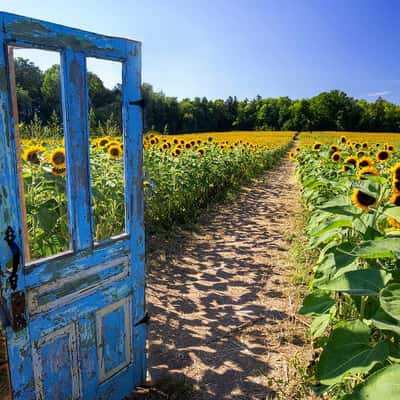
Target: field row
[351,192]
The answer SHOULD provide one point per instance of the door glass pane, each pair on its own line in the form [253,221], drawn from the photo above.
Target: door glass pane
[37,113]
[106,148]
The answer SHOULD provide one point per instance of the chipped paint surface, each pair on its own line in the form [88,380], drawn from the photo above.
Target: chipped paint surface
[81,341]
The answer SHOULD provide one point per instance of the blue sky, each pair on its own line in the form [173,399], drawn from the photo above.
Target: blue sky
[217,48]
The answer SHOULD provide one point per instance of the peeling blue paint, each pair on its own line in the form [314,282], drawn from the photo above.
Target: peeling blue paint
[82,306]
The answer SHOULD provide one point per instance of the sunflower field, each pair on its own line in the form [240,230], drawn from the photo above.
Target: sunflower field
[351,193]
[183,173]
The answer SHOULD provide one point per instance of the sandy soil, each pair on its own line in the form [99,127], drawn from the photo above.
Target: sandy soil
[222,315]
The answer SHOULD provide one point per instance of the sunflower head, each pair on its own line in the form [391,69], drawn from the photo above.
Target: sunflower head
[58,171]
[351,160]
[103,142]
[334,148]
[345,168]
[316,146]
[365,162]
[393,223]
[115,151]
[382,155]
[31,154]
[336,157]
[291,155]
[201,151]
[363,200]
[367,171]
[396,185]
[175,141]
[396,171]
[57,158]
[395,199]
[390,147]
[343,139]
[178,151]
[365,145]
[361,154]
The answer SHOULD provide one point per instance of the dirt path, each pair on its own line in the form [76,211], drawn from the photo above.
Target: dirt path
[221,315]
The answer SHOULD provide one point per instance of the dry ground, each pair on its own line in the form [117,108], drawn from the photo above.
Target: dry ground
[223,322]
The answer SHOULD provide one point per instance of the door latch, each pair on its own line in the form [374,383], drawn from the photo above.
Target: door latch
[10,239]
[17,315]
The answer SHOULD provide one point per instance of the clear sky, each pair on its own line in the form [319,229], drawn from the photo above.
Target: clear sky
[217,48]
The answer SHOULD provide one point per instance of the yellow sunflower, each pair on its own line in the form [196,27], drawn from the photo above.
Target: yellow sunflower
[57,158]
[103,142]
[343,139]
[58,171]
[365,162]
[361,154]
[316,146]
[201,151]
[31,154]
[382,155]
[334,148]
[395,199]
[363,200]
[393,223]
[351,160]
[345,168]
[363,172]
[396,185]
[115,152]
[396,171]
[336,157]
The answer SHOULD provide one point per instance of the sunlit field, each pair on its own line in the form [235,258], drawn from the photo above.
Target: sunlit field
[183,173]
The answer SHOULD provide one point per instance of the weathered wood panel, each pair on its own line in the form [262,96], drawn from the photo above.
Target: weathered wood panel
[84,338]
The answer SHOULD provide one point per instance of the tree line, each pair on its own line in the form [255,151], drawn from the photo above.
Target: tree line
[39,99]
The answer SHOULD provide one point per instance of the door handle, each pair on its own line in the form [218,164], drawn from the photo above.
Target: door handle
[17,315]
[16,252]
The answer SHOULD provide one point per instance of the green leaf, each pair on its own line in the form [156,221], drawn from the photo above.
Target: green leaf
[348,352]
[390,300]
[319,325]
[361,282]
[316,303]
[384,321]
[339,201]
[336,223]
[383,384]
[384,248]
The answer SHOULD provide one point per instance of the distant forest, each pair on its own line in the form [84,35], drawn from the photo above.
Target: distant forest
[39,93]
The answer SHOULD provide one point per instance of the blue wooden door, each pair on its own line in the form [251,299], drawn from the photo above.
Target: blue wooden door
[76,319]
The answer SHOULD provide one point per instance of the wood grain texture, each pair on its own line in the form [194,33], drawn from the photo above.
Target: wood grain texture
[82,339]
